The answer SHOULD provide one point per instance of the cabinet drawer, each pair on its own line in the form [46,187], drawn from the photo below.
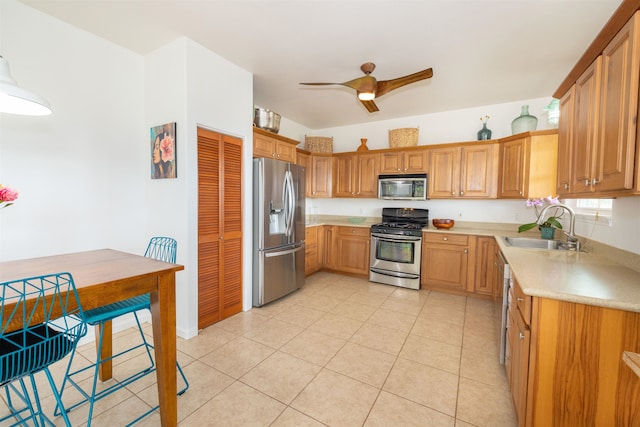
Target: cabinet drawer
[354,231]
[451,239]
[522,302]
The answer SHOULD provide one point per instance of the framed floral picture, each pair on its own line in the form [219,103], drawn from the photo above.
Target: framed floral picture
[163,151]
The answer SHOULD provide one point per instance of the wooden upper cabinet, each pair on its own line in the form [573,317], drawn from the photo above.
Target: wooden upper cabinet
[600,134]
[463,172]
[618,110]
[321,170]
[585,128]
[356,175]
[318,169]
[528,165]
[399,162]
[267,144]
[565,141]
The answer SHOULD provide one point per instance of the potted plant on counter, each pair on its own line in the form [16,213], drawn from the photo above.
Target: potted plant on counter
[549,225]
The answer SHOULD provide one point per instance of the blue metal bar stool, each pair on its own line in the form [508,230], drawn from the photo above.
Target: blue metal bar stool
[162,249]
[41,323]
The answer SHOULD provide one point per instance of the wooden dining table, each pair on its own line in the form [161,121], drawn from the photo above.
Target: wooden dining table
[105,276]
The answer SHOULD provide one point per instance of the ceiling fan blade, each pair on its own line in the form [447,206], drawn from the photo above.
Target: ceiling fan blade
[370,106]
[361,84]
[385,86]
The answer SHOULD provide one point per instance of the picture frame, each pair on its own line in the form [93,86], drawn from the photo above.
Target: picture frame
[163,145]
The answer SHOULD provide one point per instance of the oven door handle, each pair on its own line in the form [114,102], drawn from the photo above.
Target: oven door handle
[395,273]
[395,237]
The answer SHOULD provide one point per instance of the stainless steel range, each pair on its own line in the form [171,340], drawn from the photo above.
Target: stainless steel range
[396,247]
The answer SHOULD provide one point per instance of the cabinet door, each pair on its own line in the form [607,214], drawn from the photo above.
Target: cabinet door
[618,110]
[485,268]
[344,174]
[263,146]
[478,177]
[352,250]
[444,173]
[311,264]
[321,169]
[328,245]
[520,340]
[586,128]
[444,266]
[415,161]
[565,141]
[285,152]
[513,161]
[304,160]
[391,162]
[367,175]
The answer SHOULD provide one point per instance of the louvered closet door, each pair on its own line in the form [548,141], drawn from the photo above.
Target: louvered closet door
[219,227]
[231,215]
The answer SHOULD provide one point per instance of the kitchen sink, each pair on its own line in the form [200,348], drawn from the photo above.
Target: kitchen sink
[528,242]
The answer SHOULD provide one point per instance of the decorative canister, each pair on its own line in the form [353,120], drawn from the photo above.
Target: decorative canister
[525,122]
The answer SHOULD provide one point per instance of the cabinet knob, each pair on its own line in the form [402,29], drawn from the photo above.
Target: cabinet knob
[453,193]
[566,186]
[462,193]
[586,182]
[521,193]
[466,251]
[405,169]
[221,237]
[521,336]
[594,181]
[519,299]
[398,169]
[445,238]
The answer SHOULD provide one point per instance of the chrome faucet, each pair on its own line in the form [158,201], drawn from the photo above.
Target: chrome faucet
[572,240]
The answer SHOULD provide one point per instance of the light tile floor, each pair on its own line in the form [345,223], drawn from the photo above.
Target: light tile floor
[340,352]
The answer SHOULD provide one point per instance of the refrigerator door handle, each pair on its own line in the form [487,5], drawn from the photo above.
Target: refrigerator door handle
[285,252]
[289,202]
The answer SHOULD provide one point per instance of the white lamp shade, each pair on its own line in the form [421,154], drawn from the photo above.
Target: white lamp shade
[16,100]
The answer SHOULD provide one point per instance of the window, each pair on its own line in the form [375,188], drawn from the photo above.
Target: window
[592,210]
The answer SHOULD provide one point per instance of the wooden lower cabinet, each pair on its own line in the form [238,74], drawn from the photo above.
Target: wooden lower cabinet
[447,262]
[517,355]
[311,256]
[345,249]
[485,265]
[566,368]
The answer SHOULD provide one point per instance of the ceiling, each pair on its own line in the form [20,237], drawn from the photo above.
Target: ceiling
[481,52]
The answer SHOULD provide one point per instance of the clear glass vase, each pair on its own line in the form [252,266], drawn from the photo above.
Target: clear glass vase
[525,122]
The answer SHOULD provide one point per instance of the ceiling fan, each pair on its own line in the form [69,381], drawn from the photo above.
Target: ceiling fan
[368,88]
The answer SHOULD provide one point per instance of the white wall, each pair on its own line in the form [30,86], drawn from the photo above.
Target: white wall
[81,171]
[84,172]
[439,128]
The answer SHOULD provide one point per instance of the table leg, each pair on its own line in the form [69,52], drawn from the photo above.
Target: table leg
[163,313]
[105,370]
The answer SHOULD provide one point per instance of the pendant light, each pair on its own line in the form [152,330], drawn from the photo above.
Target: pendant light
[16,100]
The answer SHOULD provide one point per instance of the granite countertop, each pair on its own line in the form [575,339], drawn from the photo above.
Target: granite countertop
[582,277]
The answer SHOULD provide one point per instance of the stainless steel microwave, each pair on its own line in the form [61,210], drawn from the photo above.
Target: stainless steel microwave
[402,187]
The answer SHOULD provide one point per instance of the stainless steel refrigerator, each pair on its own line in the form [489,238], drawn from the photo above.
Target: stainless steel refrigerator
[278,229]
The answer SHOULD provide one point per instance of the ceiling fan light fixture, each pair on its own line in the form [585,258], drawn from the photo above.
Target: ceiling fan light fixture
[366,96]
[16,100]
